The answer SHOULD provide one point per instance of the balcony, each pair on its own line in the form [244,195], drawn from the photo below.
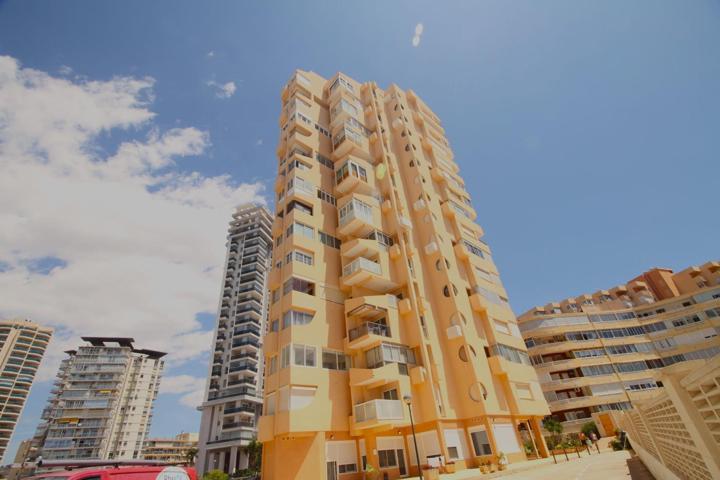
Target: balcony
[360,264]
[358,216]
[366,272]
[366,335]
[354,176]
[347,140]
[375,377]
[374,412]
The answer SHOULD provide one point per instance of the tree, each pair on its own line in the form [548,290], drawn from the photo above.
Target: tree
[555,428]
[215,475]
[190,455]
[590,428]
[254,453]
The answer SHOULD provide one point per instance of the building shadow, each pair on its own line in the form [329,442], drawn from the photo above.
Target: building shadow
[638,470]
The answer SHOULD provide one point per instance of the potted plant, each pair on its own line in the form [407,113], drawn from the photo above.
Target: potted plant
[484,466]
[502,461]
[450,467]
[370,473]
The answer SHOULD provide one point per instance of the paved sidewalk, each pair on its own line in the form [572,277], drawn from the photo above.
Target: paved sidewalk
[604,466]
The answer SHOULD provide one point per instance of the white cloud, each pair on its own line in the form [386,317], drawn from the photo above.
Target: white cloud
[192,388]
[419,28]
[211,53]
[225,90]
[181,384]
[141,242]
[259,142]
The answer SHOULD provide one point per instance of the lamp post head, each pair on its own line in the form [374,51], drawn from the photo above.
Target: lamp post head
[407,399]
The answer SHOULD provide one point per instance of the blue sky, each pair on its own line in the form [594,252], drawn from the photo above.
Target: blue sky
[587,132]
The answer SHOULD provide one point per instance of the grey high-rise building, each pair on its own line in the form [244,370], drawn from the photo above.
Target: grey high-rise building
[233,397]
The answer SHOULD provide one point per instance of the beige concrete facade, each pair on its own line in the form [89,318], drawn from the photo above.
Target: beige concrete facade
[22,346]
[677,433]
[601,352]
[382,287]
[101,403]
[170,450]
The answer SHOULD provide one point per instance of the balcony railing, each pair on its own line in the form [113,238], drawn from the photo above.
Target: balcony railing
[369,328]
[362,264]
[379,410]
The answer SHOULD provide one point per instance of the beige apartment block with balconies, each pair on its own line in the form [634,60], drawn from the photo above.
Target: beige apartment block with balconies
[101,404]
[601,352]
[171,450]
[382,288]
[22,346]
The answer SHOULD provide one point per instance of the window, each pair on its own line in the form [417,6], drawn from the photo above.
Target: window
[502,327]
[333,360]
[382,238]
[326,197]
[270,404]
[355,209]
[301,185]
[272,365]
[475,250]
[391,394]
[329,240]
[390,353]
[350,168]
[275,325]
[298,285]
[295,317]
[299,206]
[347,468]
[510,353]
[324,161]
[299,256]
[680,322]
[524,392]
[387,458]
[453,453]
[285,356]
[481,444]
[301,229]
[303,355]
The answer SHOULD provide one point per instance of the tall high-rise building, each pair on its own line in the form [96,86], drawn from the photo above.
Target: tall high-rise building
[600,352]
[101,403]
[383,291]
[233,399]
[22,346]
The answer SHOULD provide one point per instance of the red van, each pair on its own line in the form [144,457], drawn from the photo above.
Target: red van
[118,472]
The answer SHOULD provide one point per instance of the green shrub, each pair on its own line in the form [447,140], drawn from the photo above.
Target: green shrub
[215,475]
[589,428]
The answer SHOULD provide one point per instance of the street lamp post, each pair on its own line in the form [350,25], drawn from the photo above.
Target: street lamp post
[408,401]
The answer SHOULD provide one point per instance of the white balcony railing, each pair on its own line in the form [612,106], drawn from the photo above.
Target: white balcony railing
[379,410]
[362,263]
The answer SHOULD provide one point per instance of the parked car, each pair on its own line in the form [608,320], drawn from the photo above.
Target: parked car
[115,471]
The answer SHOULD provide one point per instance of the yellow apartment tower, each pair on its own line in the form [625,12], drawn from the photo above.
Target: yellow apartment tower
[384,299]
[603,352]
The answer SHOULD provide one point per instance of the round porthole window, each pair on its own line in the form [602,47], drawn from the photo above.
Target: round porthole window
[477,392]
[456,318]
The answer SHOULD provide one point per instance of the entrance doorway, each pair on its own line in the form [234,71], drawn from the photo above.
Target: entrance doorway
[401,461]
[332,471]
